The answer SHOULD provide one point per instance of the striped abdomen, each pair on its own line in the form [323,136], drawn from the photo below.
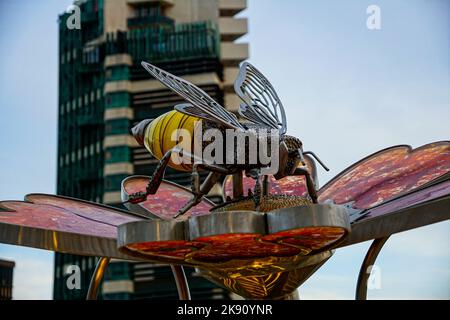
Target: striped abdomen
[158,135]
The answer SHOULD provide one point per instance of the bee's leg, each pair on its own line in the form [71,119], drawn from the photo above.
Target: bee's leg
[265,185]
[257,193]
[200,190]
[191,203]
[309,183]
[256,174]
[238,187]
[154,182]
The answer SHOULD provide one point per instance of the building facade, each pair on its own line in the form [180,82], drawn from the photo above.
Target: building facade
[6,279]
[104,91]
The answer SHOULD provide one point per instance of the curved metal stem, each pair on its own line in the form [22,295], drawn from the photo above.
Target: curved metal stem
[181,281]
[369,260]
[97,277]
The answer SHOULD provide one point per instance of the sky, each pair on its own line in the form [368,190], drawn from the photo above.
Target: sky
[348,92]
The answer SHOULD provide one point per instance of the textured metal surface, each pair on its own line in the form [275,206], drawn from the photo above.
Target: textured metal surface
[218,223]
[311,227]
[247,248]
[237,239]
[203,105]
[87,209]
[414,210]
[262,104]
[319,215]
[166,202]
[436,191]
[171,251]
[267,203]
[264,255]
[151,231]
[159,240]
[278,284]
[387,174]
[63,224]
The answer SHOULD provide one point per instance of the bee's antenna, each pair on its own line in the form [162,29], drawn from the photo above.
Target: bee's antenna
[317,158]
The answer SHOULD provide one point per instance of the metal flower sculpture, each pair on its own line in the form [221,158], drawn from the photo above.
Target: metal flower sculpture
[271,232]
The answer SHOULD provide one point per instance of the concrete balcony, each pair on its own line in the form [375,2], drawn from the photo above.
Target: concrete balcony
[233,53]
[229,76]
[232,102]
[150,20]
[117,60]
[140,2]
[229,8]
[117,86]
[232,28]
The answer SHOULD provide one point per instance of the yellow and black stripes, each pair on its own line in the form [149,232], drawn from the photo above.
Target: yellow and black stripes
[158,135]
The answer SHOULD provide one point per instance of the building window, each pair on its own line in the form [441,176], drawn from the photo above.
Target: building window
[148,11]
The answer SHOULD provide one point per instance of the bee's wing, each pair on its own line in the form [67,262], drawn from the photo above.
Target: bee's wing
[248,114]
[191,110]
[201,102]
[262,104]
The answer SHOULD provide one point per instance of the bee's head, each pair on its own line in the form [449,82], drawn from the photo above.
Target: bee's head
[138,131]
[290,155]
[295,148]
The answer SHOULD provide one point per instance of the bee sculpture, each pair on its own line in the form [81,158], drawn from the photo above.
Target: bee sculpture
[261,110]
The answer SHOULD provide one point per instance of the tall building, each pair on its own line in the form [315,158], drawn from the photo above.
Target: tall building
[104,91]
[6,279]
